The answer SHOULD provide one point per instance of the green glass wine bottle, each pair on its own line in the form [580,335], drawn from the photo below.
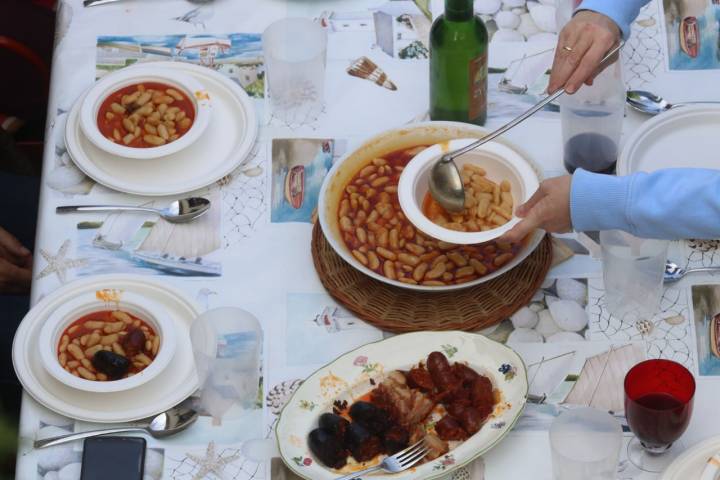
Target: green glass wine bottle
[458,65]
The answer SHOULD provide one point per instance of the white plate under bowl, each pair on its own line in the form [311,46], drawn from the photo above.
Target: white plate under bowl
[167,390]
[685,137]
[425,133]
[193,89]
[500,163]
[223,147]
[691,463]
[352,375]
[80,305]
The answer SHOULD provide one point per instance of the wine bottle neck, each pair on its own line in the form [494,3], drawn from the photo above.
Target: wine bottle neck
[458,10]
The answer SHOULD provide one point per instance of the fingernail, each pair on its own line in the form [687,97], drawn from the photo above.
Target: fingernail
[24,251]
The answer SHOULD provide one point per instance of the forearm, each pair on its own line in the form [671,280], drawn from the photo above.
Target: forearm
[622,12]
[668,204]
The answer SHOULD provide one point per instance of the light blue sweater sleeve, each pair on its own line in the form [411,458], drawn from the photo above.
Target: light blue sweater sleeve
[622,12]
[670,204]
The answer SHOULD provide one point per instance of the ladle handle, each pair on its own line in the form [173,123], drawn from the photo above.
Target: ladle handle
[49,442]
[532,111]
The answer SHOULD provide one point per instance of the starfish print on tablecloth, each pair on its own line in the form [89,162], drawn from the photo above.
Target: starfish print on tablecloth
[58,264]
[210,463]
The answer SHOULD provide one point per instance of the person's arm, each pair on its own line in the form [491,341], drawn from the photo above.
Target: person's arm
[668,204]
[622,12]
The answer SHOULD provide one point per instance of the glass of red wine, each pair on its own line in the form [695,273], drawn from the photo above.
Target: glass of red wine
[658,404]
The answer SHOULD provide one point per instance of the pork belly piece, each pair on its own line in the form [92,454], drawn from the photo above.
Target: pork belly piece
[437,446]
[450,429]
[407,407]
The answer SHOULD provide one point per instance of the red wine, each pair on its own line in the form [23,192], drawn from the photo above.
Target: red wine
[657,419]
[592,152]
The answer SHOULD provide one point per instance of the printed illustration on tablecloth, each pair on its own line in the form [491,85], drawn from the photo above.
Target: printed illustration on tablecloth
[568,378]
[706,313]
[133,242]
[693,35]
[556,313]
[299,166]
[402,30]
[318,330]
[236,55]
[667,335]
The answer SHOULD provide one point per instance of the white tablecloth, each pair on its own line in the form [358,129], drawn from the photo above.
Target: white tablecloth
[264,252]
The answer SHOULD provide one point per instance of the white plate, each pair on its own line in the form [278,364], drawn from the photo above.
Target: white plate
[171,387]
[684,137]
[691,463]
[349,377]
[499,161]
[223,147]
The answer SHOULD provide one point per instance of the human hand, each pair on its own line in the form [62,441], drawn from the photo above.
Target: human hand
[15,264]
[589,35]
[548,208]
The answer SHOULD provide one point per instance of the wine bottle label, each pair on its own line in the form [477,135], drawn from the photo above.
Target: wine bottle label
[478,86]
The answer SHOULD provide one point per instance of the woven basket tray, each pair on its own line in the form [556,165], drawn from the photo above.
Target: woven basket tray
[401,310]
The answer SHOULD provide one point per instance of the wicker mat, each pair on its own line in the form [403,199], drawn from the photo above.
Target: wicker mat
[401,310]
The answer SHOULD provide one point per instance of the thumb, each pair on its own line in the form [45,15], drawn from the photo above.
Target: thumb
[533,220]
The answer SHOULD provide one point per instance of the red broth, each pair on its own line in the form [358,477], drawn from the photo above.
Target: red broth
[145,115]
[113,331]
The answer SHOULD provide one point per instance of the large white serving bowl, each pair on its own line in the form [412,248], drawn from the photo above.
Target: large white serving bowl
[499,161]
[141,307]
[192,88]
[426,133]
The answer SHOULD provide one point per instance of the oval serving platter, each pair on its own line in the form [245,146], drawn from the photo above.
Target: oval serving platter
[351,376]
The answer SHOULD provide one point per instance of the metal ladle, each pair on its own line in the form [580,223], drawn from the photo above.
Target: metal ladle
[445,182]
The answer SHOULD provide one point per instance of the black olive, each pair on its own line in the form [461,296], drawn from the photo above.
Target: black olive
[327,449]
[111,364]
[371,417]
[362,444]
[395,439]
[333,424]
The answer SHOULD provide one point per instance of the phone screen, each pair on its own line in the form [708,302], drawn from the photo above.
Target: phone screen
[113,458]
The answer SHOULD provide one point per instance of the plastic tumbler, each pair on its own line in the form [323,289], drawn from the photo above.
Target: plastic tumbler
[227,346]
[295,55]
[585,444]
[633,274]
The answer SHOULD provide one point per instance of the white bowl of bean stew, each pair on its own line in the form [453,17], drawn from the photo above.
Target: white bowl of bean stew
[145,112]
[107,346]
[496,180]
[360,214]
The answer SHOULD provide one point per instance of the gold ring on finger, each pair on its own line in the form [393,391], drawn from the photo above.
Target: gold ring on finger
[567,48]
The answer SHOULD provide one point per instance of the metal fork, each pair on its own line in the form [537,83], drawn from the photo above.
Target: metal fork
[399,462]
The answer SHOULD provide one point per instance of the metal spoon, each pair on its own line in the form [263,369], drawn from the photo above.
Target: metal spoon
[674,272]
[445,182]
[651,104]
[165,424]
[179,211]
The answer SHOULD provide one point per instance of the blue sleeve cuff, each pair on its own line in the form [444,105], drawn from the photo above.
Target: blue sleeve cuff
[599,202]
[623,12]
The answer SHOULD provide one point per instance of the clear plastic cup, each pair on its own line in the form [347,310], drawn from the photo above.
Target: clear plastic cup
[633,274]
[295,56]
[227,346]
[592,121]
[585,444]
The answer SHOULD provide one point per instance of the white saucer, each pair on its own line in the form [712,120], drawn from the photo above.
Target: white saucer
[223,147]
[685,137]
[177,382]
[691,463]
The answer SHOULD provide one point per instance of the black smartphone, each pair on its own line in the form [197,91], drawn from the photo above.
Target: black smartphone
[113,458]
